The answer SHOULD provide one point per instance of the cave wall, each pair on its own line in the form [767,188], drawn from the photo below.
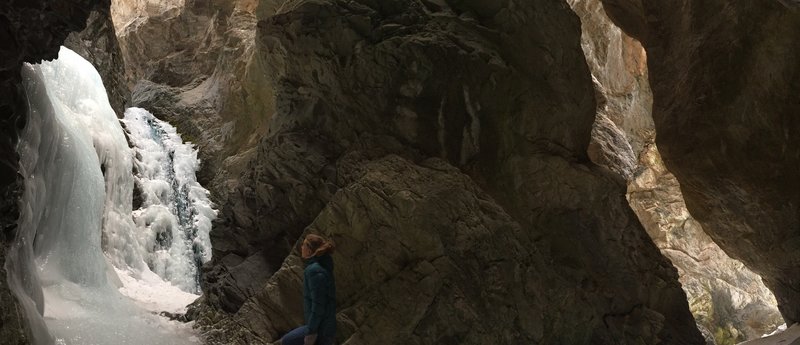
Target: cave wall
[730,303]
[490,104]
[725,79]
[372,114]
[30,31]
[191,63]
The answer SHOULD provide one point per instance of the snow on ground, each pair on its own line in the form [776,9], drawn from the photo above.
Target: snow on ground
[154,294]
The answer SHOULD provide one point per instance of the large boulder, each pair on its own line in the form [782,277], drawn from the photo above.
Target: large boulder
[725,79]
[424,256]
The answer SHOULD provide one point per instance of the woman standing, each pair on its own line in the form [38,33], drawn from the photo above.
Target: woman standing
[319,295]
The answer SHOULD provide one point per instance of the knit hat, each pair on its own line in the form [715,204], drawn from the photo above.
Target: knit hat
[318,245]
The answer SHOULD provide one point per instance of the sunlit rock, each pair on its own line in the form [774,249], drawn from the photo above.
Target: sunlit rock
[729,302]
[727,299]
[725,84]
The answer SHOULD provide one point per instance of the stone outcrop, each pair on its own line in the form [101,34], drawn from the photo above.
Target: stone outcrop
[729,302]
[724,77]
[29,32]
[420,246]
[388,119]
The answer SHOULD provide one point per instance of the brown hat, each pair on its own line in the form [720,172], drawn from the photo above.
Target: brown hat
[317,245]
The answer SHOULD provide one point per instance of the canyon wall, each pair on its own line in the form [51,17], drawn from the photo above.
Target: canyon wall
[444,139]
[189,63]
[618,63]
[725,79]
[729,302]
[393,118]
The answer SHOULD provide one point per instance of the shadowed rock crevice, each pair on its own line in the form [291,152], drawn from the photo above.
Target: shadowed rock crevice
[724,79]
[729,302]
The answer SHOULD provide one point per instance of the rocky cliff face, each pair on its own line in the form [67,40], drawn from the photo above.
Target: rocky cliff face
[441,140]
[29,32]
[724,82]
[624,124]
[189,63]
[393,118]
[729,302]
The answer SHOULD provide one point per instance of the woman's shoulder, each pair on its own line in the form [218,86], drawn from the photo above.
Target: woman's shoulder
[315,267]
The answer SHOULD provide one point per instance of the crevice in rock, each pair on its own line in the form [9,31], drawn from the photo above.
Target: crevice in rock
[623,140]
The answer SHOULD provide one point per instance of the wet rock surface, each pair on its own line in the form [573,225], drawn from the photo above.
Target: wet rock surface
[724,79]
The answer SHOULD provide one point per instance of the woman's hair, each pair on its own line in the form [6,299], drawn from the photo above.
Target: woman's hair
[319,245]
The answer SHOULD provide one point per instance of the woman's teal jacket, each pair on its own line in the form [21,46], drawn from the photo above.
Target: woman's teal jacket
[319,294]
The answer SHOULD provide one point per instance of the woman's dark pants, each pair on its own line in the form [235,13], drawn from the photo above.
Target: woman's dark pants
[297,337]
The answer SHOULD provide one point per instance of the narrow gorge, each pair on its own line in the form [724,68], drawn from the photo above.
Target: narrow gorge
[492,171]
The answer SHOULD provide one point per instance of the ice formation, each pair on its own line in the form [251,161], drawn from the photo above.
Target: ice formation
[175,209]
[87,268]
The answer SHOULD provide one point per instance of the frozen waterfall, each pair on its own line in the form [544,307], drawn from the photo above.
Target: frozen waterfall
[87,268]
[175,208]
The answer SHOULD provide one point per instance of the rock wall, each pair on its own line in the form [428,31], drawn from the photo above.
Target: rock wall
[624,124]
[29,32]
[189,62]
[729,302]
[724,79]
[390,120]
[98,44]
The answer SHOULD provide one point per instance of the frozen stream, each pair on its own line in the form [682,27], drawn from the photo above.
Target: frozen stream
[87,267]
